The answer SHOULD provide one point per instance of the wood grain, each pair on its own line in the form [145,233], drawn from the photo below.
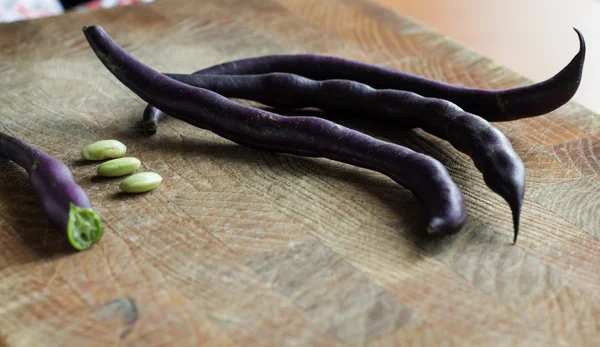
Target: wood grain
[241,247]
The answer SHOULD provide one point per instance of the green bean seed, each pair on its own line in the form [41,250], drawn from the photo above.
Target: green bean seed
[102,150]
[140,182]
[118,167]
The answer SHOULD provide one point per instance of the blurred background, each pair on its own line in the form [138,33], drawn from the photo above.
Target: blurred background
[531,37]
[15,10]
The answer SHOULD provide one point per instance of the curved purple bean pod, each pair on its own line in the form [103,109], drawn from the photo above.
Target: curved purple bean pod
[492,153]
[67,206]
[425,177]
[493,105]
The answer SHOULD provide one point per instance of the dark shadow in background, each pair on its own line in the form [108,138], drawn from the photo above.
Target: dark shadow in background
[69,4]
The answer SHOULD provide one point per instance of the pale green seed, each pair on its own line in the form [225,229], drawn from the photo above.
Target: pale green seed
[118,167]
[102,150]
[140,182]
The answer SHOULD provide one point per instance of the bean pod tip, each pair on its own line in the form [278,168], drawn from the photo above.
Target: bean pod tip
[516,215]
[149,127]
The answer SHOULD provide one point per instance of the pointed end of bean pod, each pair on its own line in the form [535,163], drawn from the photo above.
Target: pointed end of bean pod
[84,227]
[516,212]
[513,195]
[546,96]
[505,175]
[578,60]
[514,199]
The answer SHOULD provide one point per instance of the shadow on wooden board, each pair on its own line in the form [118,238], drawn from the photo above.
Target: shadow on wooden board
[24,213]
[26,216]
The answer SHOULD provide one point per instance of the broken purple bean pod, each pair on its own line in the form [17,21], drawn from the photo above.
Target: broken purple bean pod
[493,105]
[424,176]
[492,153]
[66,204]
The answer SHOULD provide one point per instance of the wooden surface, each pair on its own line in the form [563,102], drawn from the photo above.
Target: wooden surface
[241,247]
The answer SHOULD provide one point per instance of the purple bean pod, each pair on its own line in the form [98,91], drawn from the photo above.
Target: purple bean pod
[66,204]
[425,177]
[492,153]
[493,105]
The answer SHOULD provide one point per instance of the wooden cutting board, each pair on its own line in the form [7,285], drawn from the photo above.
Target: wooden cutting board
[242,247]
